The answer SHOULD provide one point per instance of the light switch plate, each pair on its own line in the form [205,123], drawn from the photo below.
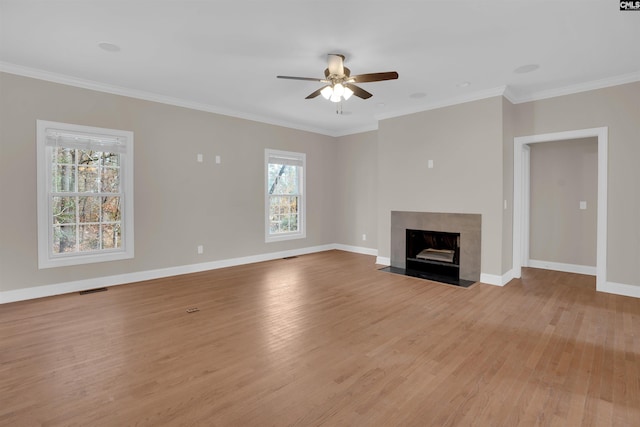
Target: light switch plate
[583,205]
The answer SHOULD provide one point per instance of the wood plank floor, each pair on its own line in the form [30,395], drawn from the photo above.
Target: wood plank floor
[323,339]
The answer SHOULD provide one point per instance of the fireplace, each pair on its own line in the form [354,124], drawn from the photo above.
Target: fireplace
[457,232]
[434,252]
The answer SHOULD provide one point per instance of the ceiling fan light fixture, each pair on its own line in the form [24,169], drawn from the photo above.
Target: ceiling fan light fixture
[347,93]
[340,84]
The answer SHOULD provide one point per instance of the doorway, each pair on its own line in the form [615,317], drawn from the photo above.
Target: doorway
[521,177]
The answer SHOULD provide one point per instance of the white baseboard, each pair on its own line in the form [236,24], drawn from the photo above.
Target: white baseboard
[121,279]
[356,249]
[559,266]
[495,280]
[507,277]
[620,289]
[381,260]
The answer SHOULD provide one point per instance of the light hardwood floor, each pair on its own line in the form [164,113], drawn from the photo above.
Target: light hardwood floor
[323,339]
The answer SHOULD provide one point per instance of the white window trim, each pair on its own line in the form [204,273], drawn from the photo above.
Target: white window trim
[302,206]
[45,234]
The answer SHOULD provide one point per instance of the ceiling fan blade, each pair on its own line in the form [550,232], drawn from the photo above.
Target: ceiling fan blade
[316,93]
[358,91]
[336,64]
[375,77]
[311,79]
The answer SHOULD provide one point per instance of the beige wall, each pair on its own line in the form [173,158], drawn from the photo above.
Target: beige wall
[465,142]
[356,171]
[179,203]
[563,173]
[618,108]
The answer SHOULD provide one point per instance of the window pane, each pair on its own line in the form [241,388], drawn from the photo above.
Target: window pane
[64,210]
[110,180]
[89,158]
[87,179]
[274,170]
[64,155]
[111,159]
[110,209]
[278,208]
[274,217]
[64,239]
[293,222]
[89,237]
[111,236]
[274,226]
[286,223]
[89,209]
[63,179]
[283,179]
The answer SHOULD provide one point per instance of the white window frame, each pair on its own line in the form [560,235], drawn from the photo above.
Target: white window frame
[94,136]
[302,220]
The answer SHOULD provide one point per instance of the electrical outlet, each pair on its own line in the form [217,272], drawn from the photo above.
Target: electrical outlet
[200,249]
[364,237]
[218,160]
[199,158]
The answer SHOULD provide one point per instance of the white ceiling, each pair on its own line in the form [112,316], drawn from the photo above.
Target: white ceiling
[223,56]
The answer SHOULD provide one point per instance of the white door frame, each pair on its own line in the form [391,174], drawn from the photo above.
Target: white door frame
[521,197]
[526,204]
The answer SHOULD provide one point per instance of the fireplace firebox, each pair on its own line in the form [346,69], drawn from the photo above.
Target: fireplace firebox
[433,252]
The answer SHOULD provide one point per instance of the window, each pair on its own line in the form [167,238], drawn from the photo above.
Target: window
[85,194]
[285,205]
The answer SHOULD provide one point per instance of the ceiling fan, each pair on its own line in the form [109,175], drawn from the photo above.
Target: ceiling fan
[340,83]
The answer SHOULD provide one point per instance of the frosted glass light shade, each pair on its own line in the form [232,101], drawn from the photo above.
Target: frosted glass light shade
[326,92]
[347,93]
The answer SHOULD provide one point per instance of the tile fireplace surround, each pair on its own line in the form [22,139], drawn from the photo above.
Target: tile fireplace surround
[468,225]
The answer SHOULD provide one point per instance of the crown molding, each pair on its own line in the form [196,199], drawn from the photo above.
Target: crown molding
[506,91]
[576,88]
[510,95]
[475,96]
[362,129]
[20,70]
